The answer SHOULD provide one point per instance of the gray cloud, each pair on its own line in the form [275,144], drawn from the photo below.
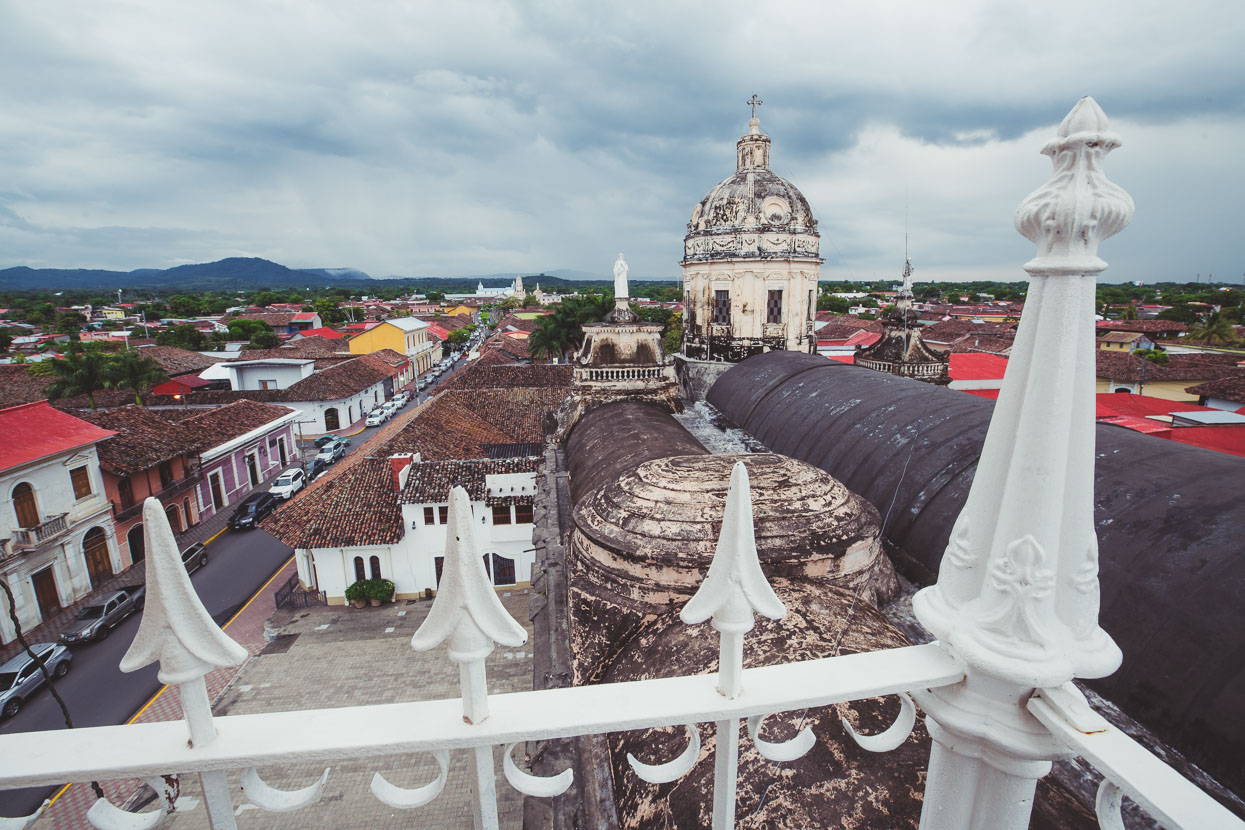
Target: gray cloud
[420,138]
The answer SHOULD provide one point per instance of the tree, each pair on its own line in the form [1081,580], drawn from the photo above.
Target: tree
[434,296]
[1215,329]
[672,337]
[130,370]
[530,301]
[71,322]
[1128,312]
[460,336]
[838,305]
[80,372]
[510,303]
[183,336]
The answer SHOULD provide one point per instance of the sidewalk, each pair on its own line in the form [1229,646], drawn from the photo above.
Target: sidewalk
[68,812]
[49,630]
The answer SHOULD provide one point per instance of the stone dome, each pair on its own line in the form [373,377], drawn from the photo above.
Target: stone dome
[668,512]
[753,214]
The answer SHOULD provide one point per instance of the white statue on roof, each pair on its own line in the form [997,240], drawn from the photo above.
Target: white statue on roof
[620,278]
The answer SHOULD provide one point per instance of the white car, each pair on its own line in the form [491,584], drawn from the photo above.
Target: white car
[390,408]
[376,417]
[288,483]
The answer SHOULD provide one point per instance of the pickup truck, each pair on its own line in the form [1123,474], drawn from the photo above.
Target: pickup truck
[93,622]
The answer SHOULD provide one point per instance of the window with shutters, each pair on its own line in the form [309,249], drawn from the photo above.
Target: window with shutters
[501,514]
[722,307]
[773,306]
[430,516]
[443,512]
[523,514]
[81,478]
[24,505]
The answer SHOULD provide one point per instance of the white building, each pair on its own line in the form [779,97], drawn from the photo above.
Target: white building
[502,492]
[271,373]
[56,533]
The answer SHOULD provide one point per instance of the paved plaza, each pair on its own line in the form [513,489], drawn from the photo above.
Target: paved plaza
[335,656]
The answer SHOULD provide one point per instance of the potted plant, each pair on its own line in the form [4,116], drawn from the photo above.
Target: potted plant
[379,590]
[356,593]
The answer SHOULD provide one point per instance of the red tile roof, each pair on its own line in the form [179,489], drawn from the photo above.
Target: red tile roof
[354,504]
[1114,404]
[181,385]
[326,333]
[977,366]
[429,482]
[36,430]
[177,361]
[143,439]
[214,427]
[1192,367]
[1143,326]
[1230,388]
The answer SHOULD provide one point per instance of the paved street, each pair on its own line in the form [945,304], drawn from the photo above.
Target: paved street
[98,693]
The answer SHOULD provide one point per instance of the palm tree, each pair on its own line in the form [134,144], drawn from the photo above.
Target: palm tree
[1214,329]
[79,372]
[545,341]
[130,370]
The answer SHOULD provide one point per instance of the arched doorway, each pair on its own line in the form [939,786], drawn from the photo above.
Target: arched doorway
[331,421]
[24,505]
[98,563]
[175,520]
[138,544]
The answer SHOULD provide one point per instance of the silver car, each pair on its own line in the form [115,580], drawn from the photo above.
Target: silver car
[21,677]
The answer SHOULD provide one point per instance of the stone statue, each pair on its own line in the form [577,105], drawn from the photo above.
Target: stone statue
[620,278]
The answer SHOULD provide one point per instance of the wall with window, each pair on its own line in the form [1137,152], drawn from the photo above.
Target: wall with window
[46,510]
[244,469]
[127,493]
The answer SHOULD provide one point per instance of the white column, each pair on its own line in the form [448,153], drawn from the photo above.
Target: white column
[1017,591]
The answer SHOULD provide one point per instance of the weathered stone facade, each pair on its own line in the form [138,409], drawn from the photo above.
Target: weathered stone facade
[750,263]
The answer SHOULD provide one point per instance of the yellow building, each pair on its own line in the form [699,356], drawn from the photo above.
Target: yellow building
[459,309]
[404,335]
[1123,341]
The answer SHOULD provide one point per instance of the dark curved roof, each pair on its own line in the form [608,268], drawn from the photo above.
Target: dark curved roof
[616,438]
[1169,520]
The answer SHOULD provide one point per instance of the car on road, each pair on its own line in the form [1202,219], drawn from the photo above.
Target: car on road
[318,468]
[21,676]
[93,622]
[329,453]
[288,483]
[325,439]
[376,417]
[252,510]
[194,557]
[391,408]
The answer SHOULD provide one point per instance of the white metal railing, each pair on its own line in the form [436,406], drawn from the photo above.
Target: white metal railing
[624,373]
[1015,624]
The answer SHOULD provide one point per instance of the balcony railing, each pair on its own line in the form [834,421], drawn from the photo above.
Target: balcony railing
[122,514]
[29,537]
[1014,625]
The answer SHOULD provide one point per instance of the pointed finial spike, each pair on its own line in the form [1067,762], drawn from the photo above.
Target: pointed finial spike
[175,630]
[465,593]
[735,573]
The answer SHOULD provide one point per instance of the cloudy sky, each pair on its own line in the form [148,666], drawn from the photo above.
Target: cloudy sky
[454,138]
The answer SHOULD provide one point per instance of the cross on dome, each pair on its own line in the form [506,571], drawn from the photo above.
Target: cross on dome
[754,102]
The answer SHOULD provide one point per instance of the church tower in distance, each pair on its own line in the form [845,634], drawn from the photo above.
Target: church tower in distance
[750,262]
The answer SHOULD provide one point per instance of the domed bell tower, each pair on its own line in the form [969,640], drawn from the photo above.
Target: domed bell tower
[750,262]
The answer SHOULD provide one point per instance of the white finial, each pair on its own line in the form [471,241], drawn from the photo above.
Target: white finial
[1017,593]
[466,611]
[176,629]
[735,587]
[1078,207]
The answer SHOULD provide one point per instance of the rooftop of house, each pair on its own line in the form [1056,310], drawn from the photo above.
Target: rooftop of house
[272,318]
[1110,336]
[143,439]
[429,482]
[36,430]
[353,504]
[977,366]
[177,361]
[511,376]
[407,324]
[1143,326]
[1227,388]
[1125,367]
[948,331]
[992,344]
[323,331]
[213,427]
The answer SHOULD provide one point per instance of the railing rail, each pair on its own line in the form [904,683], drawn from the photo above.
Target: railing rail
[121,514]
[42,532]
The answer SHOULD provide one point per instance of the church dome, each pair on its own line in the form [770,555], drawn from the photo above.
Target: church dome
[753,214]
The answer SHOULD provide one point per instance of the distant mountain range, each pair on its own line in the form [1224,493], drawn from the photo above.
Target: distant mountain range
[250,273]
